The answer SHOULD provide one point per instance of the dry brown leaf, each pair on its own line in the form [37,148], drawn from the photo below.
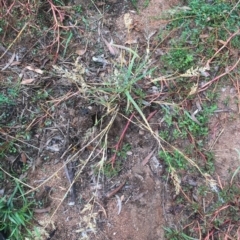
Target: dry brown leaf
[193,89]
[147,158]
[15,63]
[80,52]
[23,157]
[110,47]
[27,81]
[204,36]
[9,62]
[222,42]
[100,4]
[128,21]
[37,70]
[131,41]
[42,210]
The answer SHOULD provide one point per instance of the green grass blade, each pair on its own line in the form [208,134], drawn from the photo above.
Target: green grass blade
[130,99]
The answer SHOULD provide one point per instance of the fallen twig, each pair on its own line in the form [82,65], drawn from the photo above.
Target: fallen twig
[70,176]
[118,145]
[221,48]
[206,85]
[113,192]
[18,36]
[151,115]
[42,210]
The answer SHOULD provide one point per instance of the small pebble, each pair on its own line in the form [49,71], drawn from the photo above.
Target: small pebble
[232,90]
[129,153]
[141,132]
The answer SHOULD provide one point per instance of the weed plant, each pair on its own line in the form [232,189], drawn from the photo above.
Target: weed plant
[199,28]
[173,234]
[8,102]
[195,32]
[192,37]
[174,160]
[15,214]
[109,171]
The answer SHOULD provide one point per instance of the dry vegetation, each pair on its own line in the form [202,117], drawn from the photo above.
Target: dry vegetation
[98,105]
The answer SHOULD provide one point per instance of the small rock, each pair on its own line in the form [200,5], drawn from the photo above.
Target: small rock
[141,132]
[129,153]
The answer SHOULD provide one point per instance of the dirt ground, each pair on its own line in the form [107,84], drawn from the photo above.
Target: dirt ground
[137,204]
[225,130]
[137,211]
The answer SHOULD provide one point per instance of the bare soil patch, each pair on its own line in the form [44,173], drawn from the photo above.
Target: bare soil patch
[225,131]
